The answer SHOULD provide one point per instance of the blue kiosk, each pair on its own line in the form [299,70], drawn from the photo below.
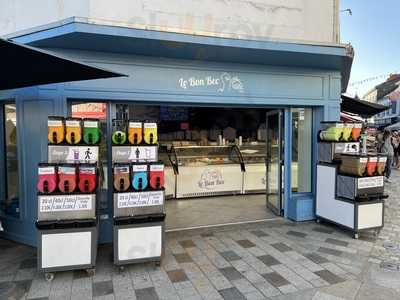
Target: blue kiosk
[291,81]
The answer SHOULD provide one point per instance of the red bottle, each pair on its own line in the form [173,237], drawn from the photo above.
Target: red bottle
[47,178]
[156,176]
[67,178]
[87,178]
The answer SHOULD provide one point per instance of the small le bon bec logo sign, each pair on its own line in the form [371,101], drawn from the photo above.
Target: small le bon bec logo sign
[225,82]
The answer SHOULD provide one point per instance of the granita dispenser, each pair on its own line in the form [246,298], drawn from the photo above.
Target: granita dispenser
[135,132]
[139,177]
[91,131]
[156,176]
[67,178]
[87,178]
[56,130]
[150,133]
[118,132]
[47,178]
[73,130]
[121,177]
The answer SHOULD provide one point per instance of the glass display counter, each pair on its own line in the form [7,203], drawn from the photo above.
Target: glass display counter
[254,178]
[207,170]
[169,172]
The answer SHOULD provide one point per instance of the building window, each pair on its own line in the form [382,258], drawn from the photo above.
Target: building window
[394,106]
[10,205]
[301,150]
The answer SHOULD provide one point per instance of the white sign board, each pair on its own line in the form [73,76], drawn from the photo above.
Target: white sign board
[134,153]
[73,154]
[370,182]
[140,199]
[58,203]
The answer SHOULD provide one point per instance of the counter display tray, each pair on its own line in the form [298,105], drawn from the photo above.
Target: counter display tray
[66,249]
[73,154]
[328,152]
[66,207]
[139,239]
[131,153]
[139,203]
[352,188]
[209,180]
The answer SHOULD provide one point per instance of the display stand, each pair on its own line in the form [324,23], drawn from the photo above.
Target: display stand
[139,216]
[67,223]
[353,202]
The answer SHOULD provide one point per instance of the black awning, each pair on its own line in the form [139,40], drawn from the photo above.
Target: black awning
[359,107]
[23,66]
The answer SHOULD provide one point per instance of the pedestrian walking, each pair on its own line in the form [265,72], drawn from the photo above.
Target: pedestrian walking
[387,148]
[395,143]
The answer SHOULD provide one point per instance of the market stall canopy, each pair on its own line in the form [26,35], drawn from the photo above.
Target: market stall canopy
[348,117]
[359,107]
[393,127]
[24,66]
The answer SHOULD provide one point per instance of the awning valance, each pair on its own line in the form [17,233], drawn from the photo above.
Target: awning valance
[359,107]
[23,66]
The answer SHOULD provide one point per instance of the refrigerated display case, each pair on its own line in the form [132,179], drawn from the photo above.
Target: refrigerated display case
[169,172]
[207,170]
[254,178]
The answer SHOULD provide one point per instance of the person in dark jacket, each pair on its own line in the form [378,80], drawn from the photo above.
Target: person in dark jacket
[387,148]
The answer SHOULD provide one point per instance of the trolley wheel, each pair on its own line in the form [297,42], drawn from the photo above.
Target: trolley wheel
[121,269]
[91,272]
[318,220]
[355,235]
[49,276]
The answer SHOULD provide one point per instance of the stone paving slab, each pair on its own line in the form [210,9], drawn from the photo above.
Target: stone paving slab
[279,260]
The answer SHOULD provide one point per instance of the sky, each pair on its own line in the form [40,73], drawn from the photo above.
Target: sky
[374,31]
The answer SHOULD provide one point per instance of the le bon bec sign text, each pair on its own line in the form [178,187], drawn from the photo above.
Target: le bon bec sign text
[225,82]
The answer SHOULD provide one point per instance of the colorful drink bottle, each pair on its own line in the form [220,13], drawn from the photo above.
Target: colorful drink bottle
[156,176]
[55,130]
[47,178]
[91,131]
[87,178]
[380,169]
[119,132]
[121,177]
[139,177]
[150,133]
[135,132]
[73,130]
[67,178]
[356,132]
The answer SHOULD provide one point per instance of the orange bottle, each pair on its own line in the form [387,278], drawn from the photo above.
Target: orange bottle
[55,130]
[135,132]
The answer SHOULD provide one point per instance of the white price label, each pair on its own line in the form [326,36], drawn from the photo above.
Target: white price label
[141,199]
[135,125]
[91,124]
[370,182]
[150,125]
[46,170]
[60,203]
[156,168]
[72,123]
[54,123]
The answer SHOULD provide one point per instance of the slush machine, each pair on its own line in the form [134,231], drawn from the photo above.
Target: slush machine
[139,177]
[91,131]
[87,178]
[56,130]
[73,130]
[118,132]
[157,176]
[150,133]
[67,178]
[121,177]
[135,132]
[47,178]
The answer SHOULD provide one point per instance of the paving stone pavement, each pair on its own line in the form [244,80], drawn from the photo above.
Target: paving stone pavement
[277,260]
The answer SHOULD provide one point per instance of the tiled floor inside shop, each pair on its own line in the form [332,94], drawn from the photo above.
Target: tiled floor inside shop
[197,212]
[278,259]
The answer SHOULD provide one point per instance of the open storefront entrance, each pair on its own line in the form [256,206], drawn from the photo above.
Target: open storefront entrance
[222,165]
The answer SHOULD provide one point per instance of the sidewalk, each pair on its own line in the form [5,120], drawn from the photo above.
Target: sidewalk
[271,260]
